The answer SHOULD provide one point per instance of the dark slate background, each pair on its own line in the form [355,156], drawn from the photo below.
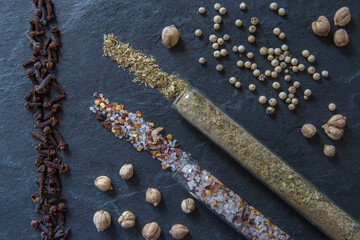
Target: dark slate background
[94,151]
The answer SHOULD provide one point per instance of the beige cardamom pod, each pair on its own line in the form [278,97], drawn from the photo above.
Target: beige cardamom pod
[342,17]
[341,38]
[321,26]
[332,132]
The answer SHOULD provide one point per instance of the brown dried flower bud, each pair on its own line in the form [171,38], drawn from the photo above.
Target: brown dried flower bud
[337,120]
[151,231]
[329,151]
[342,17]
[178,231]
[321,26]
[308,130]
[153,196]
[341,38]
[332,132]
[170,36]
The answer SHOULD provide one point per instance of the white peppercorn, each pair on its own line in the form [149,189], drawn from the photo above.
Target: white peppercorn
[217,19]
[287,59]
[291,96]
[262,77]
[202,60]
[278,69]
[316,76]
[241,49]
[256,72]
[283,65]
[274,74]
[325,73]
[217,54]
[281,11]
[307,92]
[220,41]
[292,89]
[291,107]
[311,58]
[219,67]
[232,80]
[305,53]
[250,55]
[202,10]
[277,31]
[223,52]
[287,53]
[277,51]
[281,57]
[276,85]
[311,70]
[288,100]
[240,63]
[216,26]
[294,68]
[253,66]
[273,6]
[251,39]
[247,64]
[270,110]
[282,35]
[296,84]
[262,99]
[215,46]
[286,71]
[242,6]
[270,51]
[212,38]
[274,63]
[263,51]
[238,23]
[329,151]
[222,11]
[237,85]
[272,102]
[332,107]
[268,73]
[284,47]
[198,32]
[294,61]
[301,67]
[226,37]
[287,78]
[252,87]
[294,101]
[217,6]
[306,97]
[234,49]
[270,58]
[282,95]
[252,29]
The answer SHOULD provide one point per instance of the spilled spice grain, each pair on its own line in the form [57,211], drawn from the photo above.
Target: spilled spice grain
[143,67]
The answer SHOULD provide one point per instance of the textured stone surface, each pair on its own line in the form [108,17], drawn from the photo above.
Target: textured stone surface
[94,151]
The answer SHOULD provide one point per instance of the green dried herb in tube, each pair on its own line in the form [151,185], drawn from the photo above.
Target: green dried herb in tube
[274,172]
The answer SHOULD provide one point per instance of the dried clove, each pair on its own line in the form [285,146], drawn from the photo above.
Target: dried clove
[50,122]
[49,10]
[56,33]
[29,61]
[62,145]
[62,208]
[55,99]
[38,30]
[58,88]
[43,84]
[38,136]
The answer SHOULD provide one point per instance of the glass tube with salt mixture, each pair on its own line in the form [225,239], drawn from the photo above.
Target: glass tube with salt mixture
[274,172]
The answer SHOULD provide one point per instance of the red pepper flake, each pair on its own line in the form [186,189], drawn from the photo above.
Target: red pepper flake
[138,114]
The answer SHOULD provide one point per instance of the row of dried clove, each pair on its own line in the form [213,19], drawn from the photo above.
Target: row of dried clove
[40,99]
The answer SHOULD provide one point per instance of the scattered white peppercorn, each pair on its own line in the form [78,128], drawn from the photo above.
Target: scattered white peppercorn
[253,66]
[291,95]
[202,10]
[276,85]
[219,67]
[294,101]
[198,32]
[250,55]
[283,65]
[222,11]
[217,54]
[275,63]
[262,77]
[311,70]
[281,11]
[278,69]
[282,95]
[212,38]
[202,60]
[296,84]
[287,78]
[288,100]
[270,110]
[256,72]
[332,107]
[286,71]
[254,20]
[270,58]
[287,59]
[247,64]
[223,52]
[252,87]
[306,97]
[305,53]
[268,73]
[226,37]
[301,67]
[291,107]
[238,23]
[272,102]
[270,51]
[216,26]
[240,63]
[277,31]
[273,6]
[282,35]
[281,57]
[316,76]
[252,29]
[294,68]
[308,130]
[329,151]
[311,58]
[241,49]
[284,47]
[237,85]
[263,51]
[307,92]
[215,46]
[217,19]
[242,6]
[234,49]
[292,89]
[294,61]
[325,73]
[251,39]
[262,99]
[274,74]
[217,6]
[232,80]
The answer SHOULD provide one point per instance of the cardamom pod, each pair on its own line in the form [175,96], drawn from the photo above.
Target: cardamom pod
[342,17]
[321,26]
[341,38]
